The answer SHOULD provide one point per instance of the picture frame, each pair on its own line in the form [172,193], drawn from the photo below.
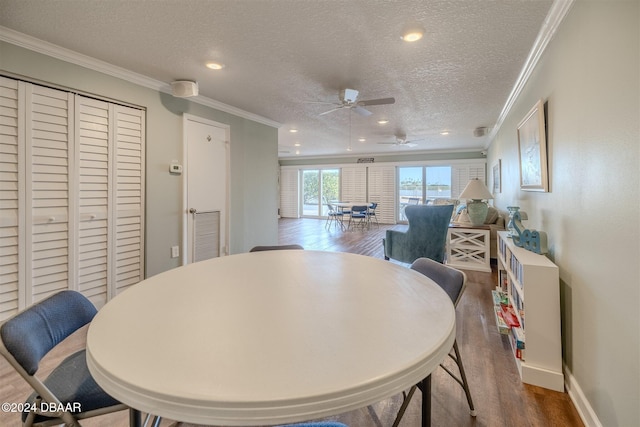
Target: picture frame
[497,177]
[532,150]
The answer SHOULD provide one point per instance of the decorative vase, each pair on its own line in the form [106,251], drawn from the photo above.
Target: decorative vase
[477,210]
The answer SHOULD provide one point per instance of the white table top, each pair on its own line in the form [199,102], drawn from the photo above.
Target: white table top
[350,204]
[270,337]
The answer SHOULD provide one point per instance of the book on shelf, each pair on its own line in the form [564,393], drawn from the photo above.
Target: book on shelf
[517,343]
[509,315]
[503,328]
[503,281]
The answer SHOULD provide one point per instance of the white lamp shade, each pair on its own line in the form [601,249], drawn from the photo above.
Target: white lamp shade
[476,190]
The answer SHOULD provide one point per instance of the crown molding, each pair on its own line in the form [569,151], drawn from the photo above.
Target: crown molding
[40,46]
[556,15]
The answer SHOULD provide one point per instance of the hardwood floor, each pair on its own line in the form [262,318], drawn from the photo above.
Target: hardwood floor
[500,398]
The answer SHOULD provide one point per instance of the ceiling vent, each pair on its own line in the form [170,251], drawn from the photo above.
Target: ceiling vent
[481,131]
[184,88]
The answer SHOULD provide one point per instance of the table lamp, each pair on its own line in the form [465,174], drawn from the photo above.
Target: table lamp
[476,192]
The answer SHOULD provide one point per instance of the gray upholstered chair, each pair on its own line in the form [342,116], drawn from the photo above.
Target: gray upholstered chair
[425,238]
[453,282]
[274,248]
[28,336]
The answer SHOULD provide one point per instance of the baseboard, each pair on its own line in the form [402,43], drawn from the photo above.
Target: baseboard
[586,412]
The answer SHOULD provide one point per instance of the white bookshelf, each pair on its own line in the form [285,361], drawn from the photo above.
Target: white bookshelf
[532,285]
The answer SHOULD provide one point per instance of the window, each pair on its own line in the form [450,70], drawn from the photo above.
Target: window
[422,185]
[319,186]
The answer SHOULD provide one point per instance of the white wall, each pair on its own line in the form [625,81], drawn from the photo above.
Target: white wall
[589,76]
[254,161]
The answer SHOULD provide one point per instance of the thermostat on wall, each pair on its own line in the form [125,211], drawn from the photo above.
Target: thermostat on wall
[175,168]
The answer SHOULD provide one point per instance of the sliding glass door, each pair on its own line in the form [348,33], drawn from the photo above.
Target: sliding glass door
[422,185]
[319,186]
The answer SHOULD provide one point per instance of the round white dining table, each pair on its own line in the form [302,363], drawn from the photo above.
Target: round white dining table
[270,337]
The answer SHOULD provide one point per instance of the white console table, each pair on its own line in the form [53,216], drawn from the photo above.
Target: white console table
[468,247]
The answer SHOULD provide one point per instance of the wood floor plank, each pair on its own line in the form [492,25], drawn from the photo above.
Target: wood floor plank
[500,398]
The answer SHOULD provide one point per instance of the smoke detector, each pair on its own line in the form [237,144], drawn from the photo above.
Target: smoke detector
[184,88]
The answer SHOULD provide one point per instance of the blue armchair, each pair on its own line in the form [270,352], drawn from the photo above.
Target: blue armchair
[425,238]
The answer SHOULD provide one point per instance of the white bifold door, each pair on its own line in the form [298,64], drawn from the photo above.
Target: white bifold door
[71,195]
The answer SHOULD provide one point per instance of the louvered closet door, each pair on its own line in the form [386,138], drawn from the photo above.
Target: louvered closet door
[48,161]
[110,179]
[128,248]
[10,198]
[289,202]
[382,189]
[94,180]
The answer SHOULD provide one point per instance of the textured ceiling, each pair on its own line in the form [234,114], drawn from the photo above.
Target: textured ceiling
[282,54]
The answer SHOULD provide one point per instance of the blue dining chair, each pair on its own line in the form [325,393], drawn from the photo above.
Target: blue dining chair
[371,213]
[28,336]
[358,216]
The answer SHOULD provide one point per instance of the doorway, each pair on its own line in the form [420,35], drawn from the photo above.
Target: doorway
[206,189]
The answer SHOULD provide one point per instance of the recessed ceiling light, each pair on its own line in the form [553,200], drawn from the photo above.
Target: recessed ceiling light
[362,139]
[348,148]
[214,65]
[383,121]
[297,144]
[413,33]
[293,130]
[444,132]
[297,151]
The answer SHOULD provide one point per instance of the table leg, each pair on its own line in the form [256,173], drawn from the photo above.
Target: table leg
[135,418]
[425,386]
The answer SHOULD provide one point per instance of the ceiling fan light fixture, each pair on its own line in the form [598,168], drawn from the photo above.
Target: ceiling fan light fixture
[214,65]
[413,33]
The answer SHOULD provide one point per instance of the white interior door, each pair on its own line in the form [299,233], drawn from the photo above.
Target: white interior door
[206,157]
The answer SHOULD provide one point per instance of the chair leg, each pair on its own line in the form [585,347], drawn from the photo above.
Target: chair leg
[405,404]
[462,381]
[463,377]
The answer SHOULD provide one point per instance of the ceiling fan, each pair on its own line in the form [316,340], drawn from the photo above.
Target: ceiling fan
[401,140]
[349,100]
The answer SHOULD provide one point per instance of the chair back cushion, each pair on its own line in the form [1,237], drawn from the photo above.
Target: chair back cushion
[425,237]
[274,248]
[31,334]
[452,281]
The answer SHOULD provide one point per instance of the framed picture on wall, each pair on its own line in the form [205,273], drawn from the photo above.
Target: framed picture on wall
[497,179]
[532,148]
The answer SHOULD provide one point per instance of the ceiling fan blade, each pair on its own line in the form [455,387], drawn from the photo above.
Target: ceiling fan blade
[322,102]
[381,101]
[362,111]
[331,111]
